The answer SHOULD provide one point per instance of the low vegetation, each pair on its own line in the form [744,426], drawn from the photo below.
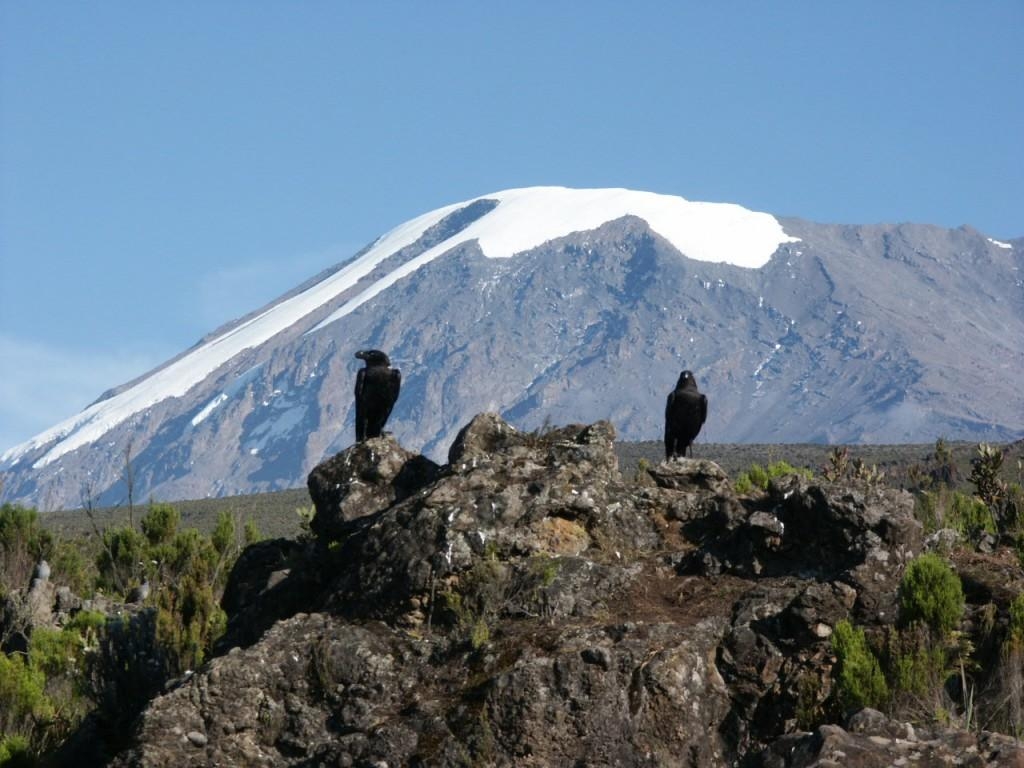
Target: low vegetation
[151,594]
[153,613]
[758,477]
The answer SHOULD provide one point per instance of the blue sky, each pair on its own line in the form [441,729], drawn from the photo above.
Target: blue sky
[166,167]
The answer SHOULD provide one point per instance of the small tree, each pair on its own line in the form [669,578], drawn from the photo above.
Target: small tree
[23,542]
[838,464]
[860,682]
[22,699]
[991,489]
[121,559]
[160,523]
[931,593]
[943,470]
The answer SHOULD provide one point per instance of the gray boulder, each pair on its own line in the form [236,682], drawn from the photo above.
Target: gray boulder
[363,479]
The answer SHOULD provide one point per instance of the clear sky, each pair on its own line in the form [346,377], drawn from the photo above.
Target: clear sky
[166,167]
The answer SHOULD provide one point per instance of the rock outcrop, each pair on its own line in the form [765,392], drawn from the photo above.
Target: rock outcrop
[526,605]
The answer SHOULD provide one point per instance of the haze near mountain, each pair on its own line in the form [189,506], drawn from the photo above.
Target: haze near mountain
[572,305]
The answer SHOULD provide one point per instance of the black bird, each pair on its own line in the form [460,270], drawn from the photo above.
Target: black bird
[685,413]
[377,387]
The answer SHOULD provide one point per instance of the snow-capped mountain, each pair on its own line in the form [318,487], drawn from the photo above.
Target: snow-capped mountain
[572,305]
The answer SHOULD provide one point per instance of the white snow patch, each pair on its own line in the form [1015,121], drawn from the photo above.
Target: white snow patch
[757,371]
[1000,244]
[208,409]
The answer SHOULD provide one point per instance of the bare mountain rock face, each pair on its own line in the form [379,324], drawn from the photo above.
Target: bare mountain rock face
[798,332]
[527,605]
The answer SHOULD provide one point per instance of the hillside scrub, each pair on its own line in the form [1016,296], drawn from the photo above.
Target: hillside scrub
[758,477]
[157,591]
[450,620]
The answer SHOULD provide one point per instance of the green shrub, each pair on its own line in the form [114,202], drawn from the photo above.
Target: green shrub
[943,469]
[943,508]
[160,524]
[860,681]
[22,697]
[970,516]
[931,593]
[251,533]
[918,666]
[1015,630]
[23,542]
[759,477]
[928,511]
[73,566]
[122,558]
[15,752]
[189,621]
[985,468]
[61,655]
[54,652]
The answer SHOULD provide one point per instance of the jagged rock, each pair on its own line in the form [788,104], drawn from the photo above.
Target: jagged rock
[317,690]
[485,435]
[873,741]
[39,600]
[538,497]
[271,580]
[524,605]
[626,695]
[942,540]
[834,525]
[863,535]
[814,612]
[363,479]
[688,474]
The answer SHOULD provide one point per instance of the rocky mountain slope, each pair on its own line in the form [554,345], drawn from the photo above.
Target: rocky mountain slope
[573,305]
[525,604]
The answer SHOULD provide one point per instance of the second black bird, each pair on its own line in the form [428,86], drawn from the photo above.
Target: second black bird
[377,387]
[685,413]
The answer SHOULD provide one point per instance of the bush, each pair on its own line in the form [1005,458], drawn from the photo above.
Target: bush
[160,523]
[860,680]
[121,561]
[23,542]
[985,469]
[60,655]
[15,752]
[759,477]
[22,698]
[943,508]
[970,516]
[189,621]
[1016,629]
[72,566]
[931,593]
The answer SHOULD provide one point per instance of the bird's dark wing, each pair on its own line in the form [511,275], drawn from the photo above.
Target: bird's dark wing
[360,416]
[670,427]
[703,409]
[394,384]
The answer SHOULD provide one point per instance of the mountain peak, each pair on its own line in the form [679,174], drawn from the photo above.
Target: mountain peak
[528,217]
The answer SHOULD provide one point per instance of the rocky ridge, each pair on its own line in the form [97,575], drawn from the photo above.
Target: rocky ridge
[525,604]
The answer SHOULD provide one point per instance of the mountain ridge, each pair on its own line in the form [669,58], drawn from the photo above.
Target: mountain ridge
[591,324]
